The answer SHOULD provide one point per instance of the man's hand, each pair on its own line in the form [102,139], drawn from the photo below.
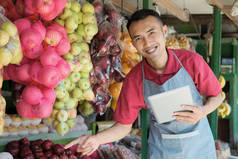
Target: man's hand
[87,144]
[192,117]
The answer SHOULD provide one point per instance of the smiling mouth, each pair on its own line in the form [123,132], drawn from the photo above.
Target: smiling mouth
[151,50]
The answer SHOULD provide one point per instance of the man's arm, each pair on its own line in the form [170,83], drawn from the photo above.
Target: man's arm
[198,112]
[89,143]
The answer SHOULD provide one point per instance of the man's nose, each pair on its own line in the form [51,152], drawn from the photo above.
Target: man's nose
[146,41]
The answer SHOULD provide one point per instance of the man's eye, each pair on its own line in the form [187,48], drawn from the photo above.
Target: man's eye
[152,32]
[137,39]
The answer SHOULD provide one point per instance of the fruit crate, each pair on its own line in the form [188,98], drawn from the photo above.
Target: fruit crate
[57,139]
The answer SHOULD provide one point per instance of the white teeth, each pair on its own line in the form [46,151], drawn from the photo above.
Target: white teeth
[151,50]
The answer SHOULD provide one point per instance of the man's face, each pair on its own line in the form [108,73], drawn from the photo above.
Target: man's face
[148,37]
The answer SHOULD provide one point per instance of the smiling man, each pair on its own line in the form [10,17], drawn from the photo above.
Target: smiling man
[187,137]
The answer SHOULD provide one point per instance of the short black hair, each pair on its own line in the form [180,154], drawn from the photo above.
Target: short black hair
[142,14]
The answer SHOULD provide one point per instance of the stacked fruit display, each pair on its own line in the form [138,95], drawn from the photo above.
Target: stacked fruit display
[129,59]
[10,51]
[43,149]
[80,24]
[224,109]
[42,67]
[106,54]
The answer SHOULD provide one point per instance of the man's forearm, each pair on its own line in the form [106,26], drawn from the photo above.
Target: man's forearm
[212,103]
[116,132]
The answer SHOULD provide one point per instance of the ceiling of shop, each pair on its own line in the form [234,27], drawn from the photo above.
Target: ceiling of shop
[193,6]
[200,11]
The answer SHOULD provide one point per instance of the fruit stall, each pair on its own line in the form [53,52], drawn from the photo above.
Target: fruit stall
[62,65]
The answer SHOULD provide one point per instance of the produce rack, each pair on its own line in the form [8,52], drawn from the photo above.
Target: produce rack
[56,138]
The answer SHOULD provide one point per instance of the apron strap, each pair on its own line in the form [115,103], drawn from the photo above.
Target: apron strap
[177,58]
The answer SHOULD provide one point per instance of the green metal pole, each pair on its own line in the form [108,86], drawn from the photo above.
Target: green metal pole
[216,61]
[147,4]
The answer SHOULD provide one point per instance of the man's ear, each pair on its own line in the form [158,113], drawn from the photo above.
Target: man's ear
[165,30]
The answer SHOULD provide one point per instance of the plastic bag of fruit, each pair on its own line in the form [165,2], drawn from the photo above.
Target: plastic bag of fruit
[113,16]
[10,47]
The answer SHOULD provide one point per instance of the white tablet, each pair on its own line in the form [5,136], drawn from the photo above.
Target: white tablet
[165,104]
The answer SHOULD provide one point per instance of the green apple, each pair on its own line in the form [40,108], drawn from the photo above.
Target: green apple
[80,17]
[75,6]
[75,48]
[53,113]
[69,30]
[88,38]
[84,84]
[91,30]
[60,92]
[89,19]
[68,56]
[88,8]
[66,97]
[10,28]
[59,21]
[74,76]
[84,75]
[5,56]
[86,108]
[62,128]
[77,93]
[84,46]
[71,103]
[71,123]
[87,67]
[55,123]
[68,4]
[65,83]
[4,38]
[71,23]
[59,105]
[89,95]
[74,37]
[66,13]
[72,86]
[81,30]
[62,115]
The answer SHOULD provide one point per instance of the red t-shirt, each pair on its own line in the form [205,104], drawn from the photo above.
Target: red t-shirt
[131,98]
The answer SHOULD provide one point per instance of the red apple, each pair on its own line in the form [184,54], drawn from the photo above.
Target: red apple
[28,156]
[72,156]
[38,154]
[47,144]
[54,157]
[98,7]
[58,149]
[14,151]
[64,156]
[68,152]
[24,141]
[48,154]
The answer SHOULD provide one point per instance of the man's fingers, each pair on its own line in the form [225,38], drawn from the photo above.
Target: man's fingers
[185,119]
[76,141]
[71,144]
[188,114]
[92,151]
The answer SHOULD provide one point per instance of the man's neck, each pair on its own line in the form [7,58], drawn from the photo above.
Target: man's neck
[159,64]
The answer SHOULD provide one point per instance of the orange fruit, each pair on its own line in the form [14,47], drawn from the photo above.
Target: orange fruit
[115,89]
[114,104]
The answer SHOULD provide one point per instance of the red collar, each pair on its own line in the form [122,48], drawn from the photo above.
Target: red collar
[172,67]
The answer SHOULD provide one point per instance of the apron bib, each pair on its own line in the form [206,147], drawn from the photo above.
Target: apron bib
[175,139]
